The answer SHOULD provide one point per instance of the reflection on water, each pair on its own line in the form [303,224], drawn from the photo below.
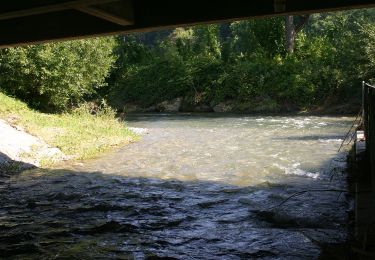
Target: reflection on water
[195,187]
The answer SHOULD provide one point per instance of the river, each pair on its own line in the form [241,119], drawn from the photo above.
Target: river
[195,187]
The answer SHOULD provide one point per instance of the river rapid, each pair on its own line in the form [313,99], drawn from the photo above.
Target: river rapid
[194,187]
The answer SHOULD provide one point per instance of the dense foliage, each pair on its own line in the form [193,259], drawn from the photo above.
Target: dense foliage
[56,76]
[244,64]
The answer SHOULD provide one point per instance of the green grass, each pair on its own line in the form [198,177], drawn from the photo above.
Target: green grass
[79,135]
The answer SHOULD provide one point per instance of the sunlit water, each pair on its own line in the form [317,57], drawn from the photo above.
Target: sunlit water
[194,187]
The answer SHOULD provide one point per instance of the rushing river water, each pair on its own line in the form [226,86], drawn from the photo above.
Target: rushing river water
[194,187]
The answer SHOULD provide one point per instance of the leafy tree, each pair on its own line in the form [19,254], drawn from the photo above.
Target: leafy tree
[56,76]
[368,39]
[292,29]
[206,40]
[246,62]
[264,36]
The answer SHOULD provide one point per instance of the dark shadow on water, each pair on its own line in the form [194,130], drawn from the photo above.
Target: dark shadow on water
[310,137]
[53,213]
[9,166]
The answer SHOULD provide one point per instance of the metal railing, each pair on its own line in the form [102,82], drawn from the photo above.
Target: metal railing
[368,103]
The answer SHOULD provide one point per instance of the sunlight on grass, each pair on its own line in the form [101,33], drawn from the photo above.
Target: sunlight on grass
[78,135]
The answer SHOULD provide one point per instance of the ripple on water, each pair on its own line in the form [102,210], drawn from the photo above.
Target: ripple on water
[194,188]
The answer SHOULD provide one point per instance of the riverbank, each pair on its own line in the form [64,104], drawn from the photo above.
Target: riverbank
[75,135]
[185,105]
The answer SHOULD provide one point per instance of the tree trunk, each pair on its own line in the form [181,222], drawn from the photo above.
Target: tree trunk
[292,29]
[290,33]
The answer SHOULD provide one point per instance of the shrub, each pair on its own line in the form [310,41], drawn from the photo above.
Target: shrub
[56,76]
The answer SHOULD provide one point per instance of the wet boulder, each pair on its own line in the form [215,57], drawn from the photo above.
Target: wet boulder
[173,105]
[223,107]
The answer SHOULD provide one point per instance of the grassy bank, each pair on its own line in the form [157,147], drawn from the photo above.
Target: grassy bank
[79,135]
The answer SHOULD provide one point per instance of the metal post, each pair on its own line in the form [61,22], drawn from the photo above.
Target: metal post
[365,115]
[371,133]
[363,100]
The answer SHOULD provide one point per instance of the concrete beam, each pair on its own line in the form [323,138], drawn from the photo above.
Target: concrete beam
[26,22]
[31,11]
[120,12]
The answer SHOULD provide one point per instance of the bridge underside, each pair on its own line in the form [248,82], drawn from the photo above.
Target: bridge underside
[25,22]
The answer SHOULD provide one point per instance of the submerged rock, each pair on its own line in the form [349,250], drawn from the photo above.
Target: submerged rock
[284,220]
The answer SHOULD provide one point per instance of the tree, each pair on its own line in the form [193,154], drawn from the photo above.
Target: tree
[264,36]
[292,29]
[368,69]
[56,76]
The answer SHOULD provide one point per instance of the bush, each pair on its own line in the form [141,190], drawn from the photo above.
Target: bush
[56,76]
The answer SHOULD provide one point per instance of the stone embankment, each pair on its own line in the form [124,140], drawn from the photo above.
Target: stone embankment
[19,149]
[181,104]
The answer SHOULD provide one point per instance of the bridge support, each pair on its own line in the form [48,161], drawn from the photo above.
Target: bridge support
[25,22]
[364,176]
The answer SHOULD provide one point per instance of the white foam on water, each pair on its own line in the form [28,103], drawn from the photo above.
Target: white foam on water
[330,140]
[233,148]
[139,131]
[294,170]
[300,123]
